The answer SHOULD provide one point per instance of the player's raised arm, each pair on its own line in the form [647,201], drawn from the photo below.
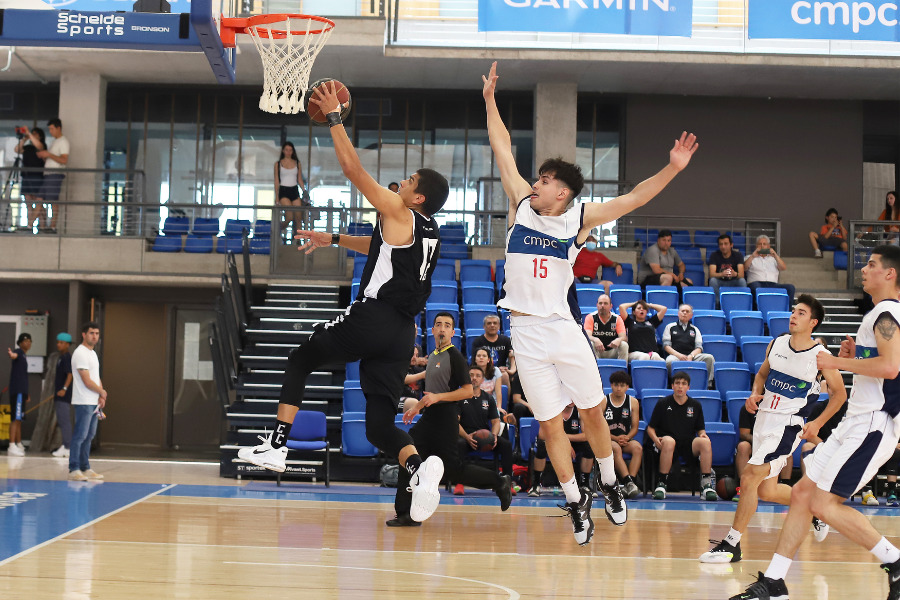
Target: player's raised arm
[679,157]
[514,185]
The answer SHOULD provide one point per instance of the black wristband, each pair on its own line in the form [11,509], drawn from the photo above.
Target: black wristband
[334,118]
[335,239]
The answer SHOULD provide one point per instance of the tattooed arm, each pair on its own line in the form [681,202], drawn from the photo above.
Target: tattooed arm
[885,366]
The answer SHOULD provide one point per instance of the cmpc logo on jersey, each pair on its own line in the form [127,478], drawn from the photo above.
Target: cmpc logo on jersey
[629,17]
[524,240]
[876,20]
[785,385]
[866,352]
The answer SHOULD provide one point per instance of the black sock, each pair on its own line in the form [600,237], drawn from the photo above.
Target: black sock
[279,436]
[413,463]
[629,479]
[582,479]
[891,486]
[664,478]
[537,479]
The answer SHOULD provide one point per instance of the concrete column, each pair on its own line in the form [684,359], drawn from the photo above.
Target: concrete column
[555,126]
[78,314]
[82,109]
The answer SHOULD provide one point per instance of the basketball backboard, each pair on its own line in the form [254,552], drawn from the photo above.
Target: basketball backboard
[192,26]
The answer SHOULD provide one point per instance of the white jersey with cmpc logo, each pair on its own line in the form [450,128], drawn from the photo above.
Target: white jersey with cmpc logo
[792,386]
[540,252]
[873,393]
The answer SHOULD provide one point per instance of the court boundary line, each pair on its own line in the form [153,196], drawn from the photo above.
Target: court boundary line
[513,594]
[28,551]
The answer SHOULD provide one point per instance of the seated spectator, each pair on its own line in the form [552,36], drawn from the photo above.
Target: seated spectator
[622,414]
[580,446]
[832,235]
[660,262]
[762,268]
[480,412]
[492,375]
[413,385]
[641,330]
[746,421]
[726,266]
[606,331]
[678,430]
[589,261]
[517,399]
[499,345]
[681,340]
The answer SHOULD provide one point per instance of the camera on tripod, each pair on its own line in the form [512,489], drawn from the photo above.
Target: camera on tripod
[21,132]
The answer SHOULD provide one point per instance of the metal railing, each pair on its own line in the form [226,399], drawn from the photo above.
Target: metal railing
[863,236]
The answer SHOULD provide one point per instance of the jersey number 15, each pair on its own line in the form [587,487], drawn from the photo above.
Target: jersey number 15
[540,268]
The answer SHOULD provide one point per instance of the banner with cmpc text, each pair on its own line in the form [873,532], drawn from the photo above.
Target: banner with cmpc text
[875,20]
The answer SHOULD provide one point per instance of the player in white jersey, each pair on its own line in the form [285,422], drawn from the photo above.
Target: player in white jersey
[784,393]
[864,440]
[555,359]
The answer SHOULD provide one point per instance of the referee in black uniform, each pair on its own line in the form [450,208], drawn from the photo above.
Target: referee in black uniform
[379,327]
[435,434]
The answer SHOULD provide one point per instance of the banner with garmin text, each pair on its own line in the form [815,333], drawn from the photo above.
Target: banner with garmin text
[629,17]
[875,20]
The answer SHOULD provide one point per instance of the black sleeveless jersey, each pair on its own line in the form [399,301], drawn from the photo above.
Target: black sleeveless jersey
[619,419]
[401,275]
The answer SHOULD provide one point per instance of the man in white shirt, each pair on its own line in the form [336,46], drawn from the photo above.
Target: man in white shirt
[55,160]
[88,400]
[762,268]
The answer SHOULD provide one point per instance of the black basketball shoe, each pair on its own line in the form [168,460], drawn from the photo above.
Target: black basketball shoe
[504,492]
[580,513]
[402,521]
[893,571]
[722,552]
[764,589]
[616,511]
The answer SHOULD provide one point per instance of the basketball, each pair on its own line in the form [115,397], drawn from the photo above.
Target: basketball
[726,488]
[485,440]
[315,112]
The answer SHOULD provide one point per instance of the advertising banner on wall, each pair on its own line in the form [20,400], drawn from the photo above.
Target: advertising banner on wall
[629,17]
[875,20]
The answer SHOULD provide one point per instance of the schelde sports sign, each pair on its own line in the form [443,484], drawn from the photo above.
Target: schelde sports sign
[875,20]
[634,17]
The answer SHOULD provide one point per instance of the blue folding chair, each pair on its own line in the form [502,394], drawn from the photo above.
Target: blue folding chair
[444,292]
[528,432]
[664,295]
[627,276]
[433,308]
[472,334]
[354,399]
[176,226]
[712,405]
[709,322]
[746,323]
[353,436]
[444,270]
[205,227]
[732,299]
[732,376]
[723,438]
[649,399]
[696,370]
[234,228]
[196,244]
[733,402]
[477,292]
[648,374]
[772,300]
[398,421]
[722,347]
[260,245]
[474,314]
[475,270]
[499,274]
[352,370]
[588,293]
[358,266]
[671,317]
[700,298]
[167,243]
[504,319]
[309,432]
[608,366]
[696,275]
[778,323]
[840,262]
[622,294]
[753,349]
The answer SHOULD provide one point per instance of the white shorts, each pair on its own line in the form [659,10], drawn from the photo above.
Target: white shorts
[556,365]
[853,453]
[775,437]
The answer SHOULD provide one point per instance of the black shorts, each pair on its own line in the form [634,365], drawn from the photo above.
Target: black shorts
[31,183]
[584,449]
[291,193]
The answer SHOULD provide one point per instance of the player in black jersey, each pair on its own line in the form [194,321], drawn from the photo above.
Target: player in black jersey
[379,327]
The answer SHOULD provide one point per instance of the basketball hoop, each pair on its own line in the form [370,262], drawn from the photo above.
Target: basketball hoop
[288,46]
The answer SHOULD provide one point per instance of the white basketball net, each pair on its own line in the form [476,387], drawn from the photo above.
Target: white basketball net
[287,58]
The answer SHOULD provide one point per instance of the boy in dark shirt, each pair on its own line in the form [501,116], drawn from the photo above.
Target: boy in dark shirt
[676,420]
[62,386]
[18,393]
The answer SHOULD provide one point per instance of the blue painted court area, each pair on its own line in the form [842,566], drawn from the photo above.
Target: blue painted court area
[35,511]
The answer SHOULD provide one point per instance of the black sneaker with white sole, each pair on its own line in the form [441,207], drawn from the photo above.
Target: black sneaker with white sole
[402,521]
[722,552]
[504,492]
[764,588]
[580,513]
[893,571]
[616,511]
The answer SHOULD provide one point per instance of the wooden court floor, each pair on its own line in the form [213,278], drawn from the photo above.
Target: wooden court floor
[182,535]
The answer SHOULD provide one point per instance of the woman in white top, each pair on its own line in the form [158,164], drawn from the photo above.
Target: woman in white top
[289,183]
[492,375]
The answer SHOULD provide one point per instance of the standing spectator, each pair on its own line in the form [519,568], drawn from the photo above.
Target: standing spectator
[762,268]
[606,331]
[32,180]
[499,345]
[88,401]
[641,330]
[18,393]
[660,262]
[678,430]
[492,375]
[681,340]
[831,236]
[289,186]
[480,412]
[55,160]
[726,266]
[62,387]
[622,413]
[589,261]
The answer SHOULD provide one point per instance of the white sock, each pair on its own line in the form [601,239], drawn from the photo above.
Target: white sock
[885,551]
[733,537]
[779,567]
[607,470]
[573,494]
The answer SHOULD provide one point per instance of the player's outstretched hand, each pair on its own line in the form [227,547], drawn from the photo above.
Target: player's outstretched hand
[752,403]
[12,354]
[684,148]
[314,239]
[326,98]
[490,82]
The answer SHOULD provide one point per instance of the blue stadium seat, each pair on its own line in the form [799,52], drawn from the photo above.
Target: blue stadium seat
[696,370]
[456,341]
[732,376]
[649,398]
[444,292]
[354,291]
[753,349]
[353,436]
[840,260]
[778,323]
[472,333]
[670,317]
[712,405]
[697,276]
[234,228]
[205,227]
[398,421]
[454,251]
[475,270]
[621,294]
[433,308]
[700,298]
[608,366]
[734,401]
[262,229]
[198,244]
[260,245]
[732,299]
[681,238]
[352,370]
[746,322]
[445,270]
[477,292]
[353,383]
[627,276]
[528,432]
[772,300]
[691,254]
[360,263]
[176,226]
[167,243]
[354,399]
[229,244]
[309,432]
[664,295]
[722,347]
[710,322]
[588,293]
[474,314]
[499,274]
[648,374]
[642,430]
[723,437]
[504,319]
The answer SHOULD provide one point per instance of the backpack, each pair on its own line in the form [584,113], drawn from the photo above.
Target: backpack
[389,475]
